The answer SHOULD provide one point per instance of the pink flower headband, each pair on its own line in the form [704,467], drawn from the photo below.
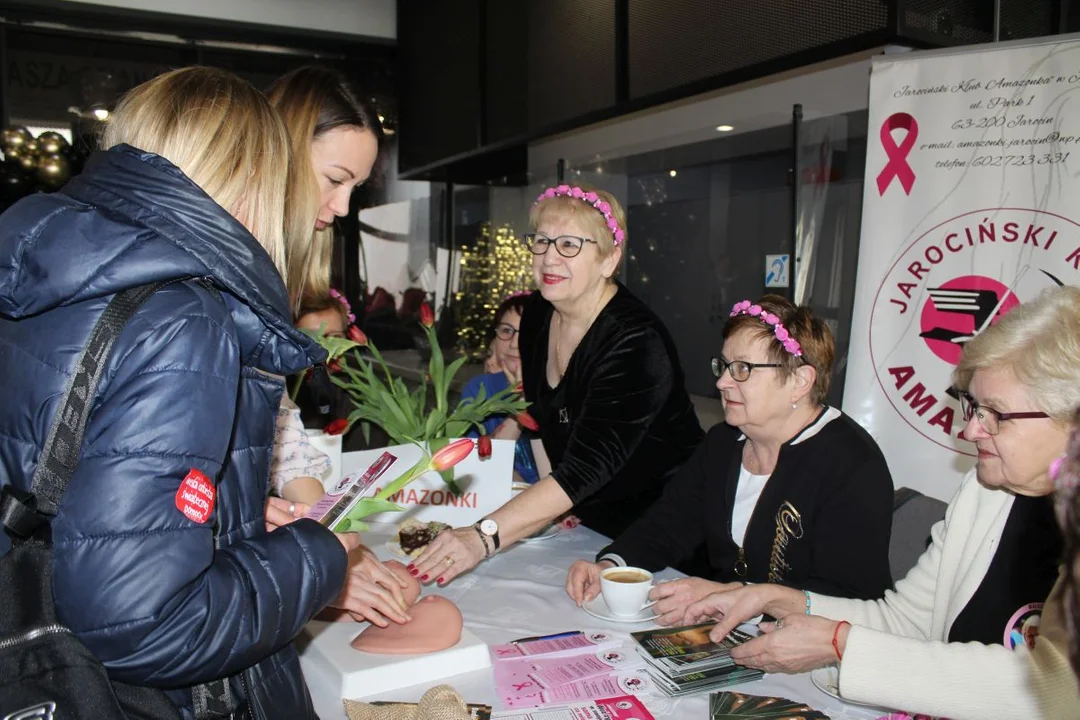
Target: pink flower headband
[1063,480]
[747,308]
[591,198]
[341,299]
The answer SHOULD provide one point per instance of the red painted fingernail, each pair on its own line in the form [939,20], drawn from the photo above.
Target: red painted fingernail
[410,567]
[414,571]
[439,581]
[424,579]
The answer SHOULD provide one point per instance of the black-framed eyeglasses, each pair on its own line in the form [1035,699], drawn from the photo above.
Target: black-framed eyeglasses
[505,331]
[738,369]
[566,245]
[990,419]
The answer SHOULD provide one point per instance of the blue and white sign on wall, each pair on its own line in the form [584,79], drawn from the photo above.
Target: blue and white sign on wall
[777,271]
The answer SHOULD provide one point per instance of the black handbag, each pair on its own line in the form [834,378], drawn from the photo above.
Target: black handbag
[45,672]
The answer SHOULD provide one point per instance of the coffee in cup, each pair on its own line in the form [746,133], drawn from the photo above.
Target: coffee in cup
[623,575]
[626,589]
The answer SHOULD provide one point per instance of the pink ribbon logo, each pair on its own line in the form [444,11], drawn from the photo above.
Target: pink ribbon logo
[898,167]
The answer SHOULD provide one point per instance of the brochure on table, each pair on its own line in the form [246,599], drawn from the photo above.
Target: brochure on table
[625,707]
[566,668]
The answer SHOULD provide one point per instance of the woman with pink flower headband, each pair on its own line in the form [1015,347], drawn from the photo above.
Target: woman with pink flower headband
[785,490]
[330,313]
[604,381]
[952,639]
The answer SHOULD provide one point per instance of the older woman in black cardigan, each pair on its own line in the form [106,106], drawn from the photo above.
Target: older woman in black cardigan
[786,490]
[604,380]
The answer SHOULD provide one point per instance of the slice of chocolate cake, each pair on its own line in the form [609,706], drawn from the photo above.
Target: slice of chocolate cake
[414,536]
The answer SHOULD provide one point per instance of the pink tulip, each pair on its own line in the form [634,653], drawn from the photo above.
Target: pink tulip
[451,454]
[357,335]
[427,315]
[483,447]
[337,427]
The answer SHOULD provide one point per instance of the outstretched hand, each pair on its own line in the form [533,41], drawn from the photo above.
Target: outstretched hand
[796,644]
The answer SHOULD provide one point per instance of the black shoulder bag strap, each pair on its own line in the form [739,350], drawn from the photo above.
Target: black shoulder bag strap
[23,513]
[26,514]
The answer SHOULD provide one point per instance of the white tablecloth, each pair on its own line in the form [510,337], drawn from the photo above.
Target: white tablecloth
[519,593]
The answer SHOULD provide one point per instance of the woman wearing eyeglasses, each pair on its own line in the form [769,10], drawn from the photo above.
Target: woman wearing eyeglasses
[1066,474]
[943,642]
[604,382]
[786,490]
[507,360]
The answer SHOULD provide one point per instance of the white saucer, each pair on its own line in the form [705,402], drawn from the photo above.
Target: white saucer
[599,609]
[545,534]
[827,680]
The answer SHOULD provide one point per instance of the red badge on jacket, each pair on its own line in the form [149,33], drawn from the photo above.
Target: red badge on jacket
[195,498]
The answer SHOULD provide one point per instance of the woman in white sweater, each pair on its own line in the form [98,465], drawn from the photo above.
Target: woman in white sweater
[961,636]
[1067,479]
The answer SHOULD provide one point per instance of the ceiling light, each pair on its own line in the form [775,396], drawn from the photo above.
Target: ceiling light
[101,114]
[724,128]
[673,173]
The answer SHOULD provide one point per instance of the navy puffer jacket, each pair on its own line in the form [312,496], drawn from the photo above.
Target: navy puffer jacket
[194,382]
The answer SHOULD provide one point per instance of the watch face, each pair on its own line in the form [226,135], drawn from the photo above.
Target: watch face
[489,526]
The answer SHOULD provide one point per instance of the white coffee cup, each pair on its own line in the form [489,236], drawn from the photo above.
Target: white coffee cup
[626,589]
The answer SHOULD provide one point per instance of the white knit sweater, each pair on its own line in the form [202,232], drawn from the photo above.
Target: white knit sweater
[897,655]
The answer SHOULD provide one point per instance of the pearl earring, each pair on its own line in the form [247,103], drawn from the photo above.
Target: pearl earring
[794,406]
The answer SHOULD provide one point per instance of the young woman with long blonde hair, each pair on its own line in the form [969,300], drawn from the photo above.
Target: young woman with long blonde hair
[190,189]
[335,135]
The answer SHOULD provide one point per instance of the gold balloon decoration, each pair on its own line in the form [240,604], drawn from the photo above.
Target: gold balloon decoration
[53,170]
[51,142]
[16,136]
[26,160]
[32,164]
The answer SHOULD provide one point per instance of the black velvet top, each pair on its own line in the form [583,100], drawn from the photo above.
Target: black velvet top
[620,422]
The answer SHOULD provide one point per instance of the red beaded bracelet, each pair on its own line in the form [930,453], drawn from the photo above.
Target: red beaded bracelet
[836,638]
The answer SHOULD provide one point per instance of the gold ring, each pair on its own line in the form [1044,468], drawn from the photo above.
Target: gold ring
[292,509]
[449,561]
[779,624]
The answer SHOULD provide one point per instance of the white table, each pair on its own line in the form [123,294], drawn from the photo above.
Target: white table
[519,593]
